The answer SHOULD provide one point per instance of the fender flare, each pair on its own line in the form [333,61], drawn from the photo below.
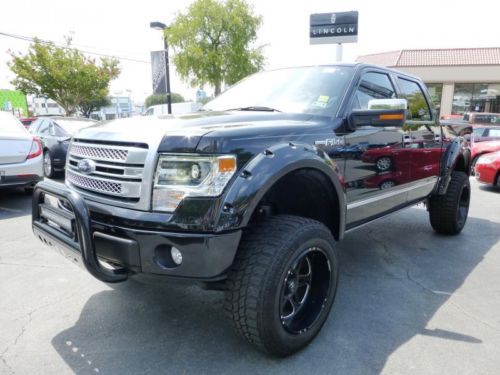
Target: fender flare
[455,150]
[266,168]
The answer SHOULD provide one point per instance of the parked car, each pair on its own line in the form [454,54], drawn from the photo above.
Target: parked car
[21,161]
[243,197]
[55,133]
[488,169]
[485,139]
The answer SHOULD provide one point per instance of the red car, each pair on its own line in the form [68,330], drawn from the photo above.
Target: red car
[488,169]
[485,139]
[27,121]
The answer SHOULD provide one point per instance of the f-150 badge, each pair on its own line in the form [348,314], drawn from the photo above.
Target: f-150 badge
[335,141]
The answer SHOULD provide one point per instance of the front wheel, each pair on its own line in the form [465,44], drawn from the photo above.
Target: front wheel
[282,284]
[384,164]
[448,213]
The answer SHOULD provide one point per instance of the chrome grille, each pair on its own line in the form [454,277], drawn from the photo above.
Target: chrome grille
[98,152]
[117,173]
[94,184]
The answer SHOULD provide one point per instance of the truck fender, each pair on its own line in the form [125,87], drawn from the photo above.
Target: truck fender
[254,180]
[456,157]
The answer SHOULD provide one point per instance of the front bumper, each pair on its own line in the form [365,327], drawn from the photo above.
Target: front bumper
[112,253]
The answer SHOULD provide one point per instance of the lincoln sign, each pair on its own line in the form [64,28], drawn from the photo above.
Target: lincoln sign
[329,28]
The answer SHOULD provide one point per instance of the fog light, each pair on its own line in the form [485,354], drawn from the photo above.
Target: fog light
[176,255]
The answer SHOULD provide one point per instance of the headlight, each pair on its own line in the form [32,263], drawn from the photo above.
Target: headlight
[179,176]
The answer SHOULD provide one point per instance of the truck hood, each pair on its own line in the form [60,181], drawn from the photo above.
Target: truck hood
[184,133]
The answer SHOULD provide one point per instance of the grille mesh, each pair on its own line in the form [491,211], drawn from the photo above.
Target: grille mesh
[98,152]
[94,184]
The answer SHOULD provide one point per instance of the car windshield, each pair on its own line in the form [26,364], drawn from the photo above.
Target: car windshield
[311,90]
[72,126]
[487,134]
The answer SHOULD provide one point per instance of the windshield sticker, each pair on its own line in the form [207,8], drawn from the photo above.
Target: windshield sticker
[322,101]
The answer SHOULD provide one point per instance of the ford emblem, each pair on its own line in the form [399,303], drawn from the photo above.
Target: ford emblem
[86,166]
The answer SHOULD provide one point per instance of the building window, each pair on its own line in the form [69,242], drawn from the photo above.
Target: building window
[476,97]
[436,92]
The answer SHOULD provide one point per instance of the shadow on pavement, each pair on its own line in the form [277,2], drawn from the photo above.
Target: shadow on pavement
[14,202]
[395,275]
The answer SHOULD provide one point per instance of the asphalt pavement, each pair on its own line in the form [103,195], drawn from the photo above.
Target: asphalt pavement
[409,302]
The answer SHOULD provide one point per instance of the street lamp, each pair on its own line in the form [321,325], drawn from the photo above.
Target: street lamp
[161,26]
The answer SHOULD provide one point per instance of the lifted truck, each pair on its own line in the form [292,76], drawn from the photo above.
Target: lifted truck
[249,194]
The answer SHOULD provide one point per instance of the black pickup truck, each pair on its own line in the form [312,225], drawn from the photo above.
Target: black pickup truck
[250,194]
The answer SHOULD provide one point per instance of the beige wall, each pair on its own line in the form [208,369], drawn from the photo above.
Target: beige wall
[440,74]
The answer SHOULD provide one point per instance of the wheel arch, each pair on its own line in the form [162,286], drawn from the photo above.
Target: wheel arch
[280,174]
[456,157]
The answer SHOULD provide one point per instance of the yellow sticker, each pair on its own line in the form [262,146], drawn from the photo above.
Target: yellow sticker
[323,98]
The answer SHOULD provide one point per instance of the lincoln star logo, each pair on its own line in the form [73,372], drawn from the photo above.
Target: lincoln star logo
[86,166]
[333,19]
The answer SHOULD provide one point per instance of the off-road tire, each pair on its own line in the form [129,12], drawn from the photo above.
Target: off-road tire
[448,212]
[258,278]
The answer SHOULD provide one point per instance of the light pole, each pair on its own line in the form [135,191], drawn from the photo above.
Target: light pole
[161,26]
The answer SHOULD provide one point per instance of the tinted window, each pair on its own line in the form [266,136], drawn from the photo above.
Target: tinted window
[34,126]
[44,128]
[373,86]
[411,91]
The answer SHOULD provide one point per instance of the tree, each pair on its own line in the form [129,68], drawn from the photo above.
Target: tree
[87,107]
[162,99]
[212,42]
[63,74]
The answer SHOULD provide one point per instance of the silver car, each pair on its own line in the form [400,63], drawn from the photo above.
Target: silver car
[21,154]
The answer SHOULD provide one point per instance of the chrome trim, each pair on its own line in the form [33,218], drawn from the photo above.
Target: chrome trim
[112,153]
[128,172]
[390,194]
[123,189]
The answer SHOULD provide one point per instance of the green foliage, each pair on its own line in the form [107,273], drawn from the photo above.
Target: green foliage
[63,74]
[212,42]
[162,99]
[89,106]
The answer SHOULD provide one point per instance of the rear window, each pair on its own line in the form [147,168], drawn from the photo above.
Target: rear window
[11,125]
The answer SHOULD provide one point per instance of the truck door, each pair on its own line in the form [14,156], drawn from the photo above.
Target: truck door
[377,158]
[426,139]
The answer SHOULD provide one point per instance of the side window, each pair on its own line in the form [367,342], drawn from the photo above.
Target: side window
[418,108]
[373,86]
[34,126]
[44,128]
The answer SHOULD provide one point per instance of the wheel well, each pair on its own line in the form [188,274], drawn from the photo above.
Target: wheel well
[461,165]
[304,192]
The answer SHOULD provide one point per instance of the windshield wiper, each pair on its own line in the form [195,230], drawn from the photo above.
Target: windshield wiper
[255,108]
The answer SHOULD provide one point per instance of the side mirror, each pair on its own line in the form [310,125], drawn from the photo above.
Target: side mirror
[380,112]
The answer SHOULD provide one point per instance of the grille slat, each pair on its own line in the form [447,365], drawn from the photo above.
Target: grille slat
[94,184]
[92,152]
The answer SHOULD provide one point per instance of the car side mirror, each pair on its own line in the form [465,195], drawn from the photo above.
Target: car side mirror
[380,112]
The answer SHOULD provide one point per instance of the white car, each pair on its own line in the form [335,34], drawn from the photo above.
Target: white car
[21,154]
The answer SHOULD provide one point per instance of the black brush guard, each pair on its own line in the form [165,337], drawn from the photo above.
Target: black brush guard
[69,229]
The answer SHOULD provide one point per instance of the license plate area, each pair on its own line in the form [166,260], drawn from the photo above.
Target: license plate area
[58,215]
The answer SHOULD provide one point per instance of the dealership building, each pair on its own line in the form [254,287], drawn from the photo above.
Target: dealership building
[459,80]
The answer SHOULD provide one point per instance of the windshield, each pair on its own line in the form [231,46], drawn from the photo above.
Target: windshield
[311,90]
[72,126]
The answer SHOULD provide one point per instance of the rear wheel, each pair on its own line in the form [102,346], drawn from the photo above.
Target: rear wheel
[384,163]
[283,283]
[48,169]
[448,213]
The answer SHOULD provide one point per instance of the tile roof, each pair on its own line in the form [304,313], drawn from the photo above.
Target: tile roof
[435,57]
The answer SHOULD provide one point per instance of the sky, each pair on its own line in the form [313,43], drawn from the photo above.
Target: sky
[121,28]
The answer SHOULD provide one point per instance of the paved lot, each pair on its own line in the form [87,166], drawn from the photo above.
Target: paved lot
[410,301]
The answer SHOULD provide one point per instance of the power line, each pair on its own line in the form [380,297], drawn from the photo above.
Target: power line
[30,39]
